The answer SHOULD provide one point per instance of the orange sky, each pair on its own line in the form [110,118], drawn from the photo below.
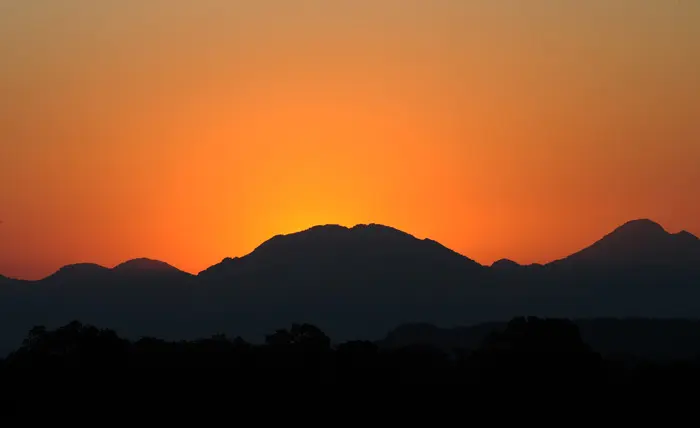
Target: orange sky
[188,131]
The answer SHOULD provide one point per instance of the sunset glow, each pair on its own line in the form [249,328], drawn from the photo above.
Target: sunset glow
[195,131]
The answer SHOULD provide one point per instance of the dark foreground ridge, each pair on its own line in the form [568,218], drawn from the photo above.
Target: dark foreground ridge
[525,351]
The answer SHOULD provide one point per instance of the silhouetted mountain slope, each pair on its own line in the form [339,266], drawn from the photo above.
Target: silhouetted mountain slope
[373,247]
[132,279]
[77,272]
[334,273]
[505,264]
[637,270]
[638,242]
[89,271]
[146,266]
[9,291]
[358,283]
[139,296]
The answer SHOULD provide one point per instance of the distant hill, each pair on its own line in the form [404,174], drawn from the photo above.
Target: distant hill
[142,266]
[639,269]
[134,281]
[332,274]
[148,267]
[364,263]
[358,283]
[505,264]
[79,271]
[638,243]
[374,247]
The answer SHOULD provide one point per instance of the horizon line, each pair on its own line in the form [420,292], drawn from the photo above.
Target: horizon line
[152,259]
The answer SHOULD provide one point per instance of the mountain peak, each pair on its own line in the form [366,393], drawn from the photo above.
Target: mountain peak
[78,270]
[144,265]
[685,235]
[640,227]
[331,234]
[344,248]
[505,264]
[378,228]
[639,242]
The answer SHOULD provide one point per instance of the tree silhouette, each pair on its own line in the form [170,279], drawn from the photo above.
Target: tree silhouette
[307,336]
[537,350]
[525,352]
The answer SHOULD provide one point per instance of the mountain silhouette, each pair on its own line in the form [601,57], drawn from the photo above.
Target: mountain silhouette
[145,266]
[328,273]
[639,242]
[141,266]
[77,271]
[504,264]
[360,282]
[372,248]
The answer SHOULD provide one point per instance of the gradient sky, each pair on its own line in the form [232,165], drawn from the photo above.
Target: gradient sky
[188,130]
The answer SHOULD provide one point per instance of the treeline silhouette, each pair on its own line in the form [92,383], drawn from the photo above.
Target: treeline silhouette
[528,350]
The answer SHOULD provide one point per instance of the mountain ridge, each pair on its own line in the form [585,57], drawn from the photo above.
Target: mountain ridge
[358,282]
[329,247]
[636,242]
[146,265]
[632,229]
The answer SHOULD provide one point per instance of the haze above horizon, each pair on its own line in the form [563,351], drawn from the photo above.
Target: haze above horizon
[189,131]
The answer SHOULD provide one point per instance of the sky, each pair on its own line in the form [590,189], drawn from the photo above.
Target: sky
[189,131]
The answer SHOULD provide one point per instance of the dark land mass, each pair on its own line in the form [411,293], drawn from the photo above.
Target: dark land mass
[359,283]
[531,352]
